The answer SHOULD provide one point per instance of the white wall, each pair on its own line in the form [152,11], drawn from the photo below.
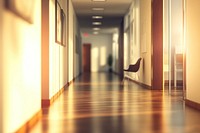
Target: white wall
[71,48]
[57,54]
[77,47]
[101,47]
[61,59]
[20,67]
[192,51]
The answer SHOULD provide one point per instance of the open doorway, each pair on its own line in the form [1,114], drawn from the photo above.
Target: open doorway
[173,45]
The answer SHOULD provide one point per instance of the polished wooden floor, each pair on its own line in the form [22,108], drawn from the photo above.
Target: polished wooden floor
[98,103]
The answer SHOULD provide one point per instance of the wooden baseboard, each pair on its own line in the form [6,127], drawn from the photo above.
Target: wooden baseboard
[139,83]
[30,123]
[47,102]
[70,82]
[192,104]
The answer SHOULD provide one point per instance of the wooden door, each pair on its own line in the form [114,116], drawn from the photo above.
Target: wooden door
[86,57]
[157,39]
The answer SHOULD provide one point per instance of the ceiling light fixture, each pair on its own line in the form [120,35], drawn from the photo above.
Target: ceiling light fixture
[97,17]
[97,9]
[95,32]
[99,0]
[96,23]
[96,28]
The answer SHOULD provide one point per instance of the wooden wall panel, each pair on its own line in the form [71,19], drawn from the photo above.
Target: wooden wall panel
[157,42]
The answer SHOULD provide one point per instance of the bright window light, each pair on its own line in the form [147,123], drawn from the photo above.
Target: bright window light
[103,56]
[95,59]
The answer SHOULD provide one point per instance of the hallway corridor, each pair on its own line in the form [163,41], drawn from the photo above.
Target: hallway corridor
[97,103]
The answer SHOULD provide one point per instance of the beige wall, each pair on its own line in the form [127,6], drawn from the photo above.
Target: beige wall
[192,50]
[145,39]
[20,67]
[1,68]
[140,44]
[115,52]
[132,39]
[71,48]
[101,47]
[20,58]
[61,59]
[57,54]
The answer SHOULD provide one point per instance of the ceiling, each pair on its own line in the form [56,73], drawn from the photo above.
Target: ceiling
[113,13]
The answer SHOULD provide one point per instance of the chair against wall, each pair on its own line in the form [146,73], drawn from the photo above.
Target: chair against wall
[133,67]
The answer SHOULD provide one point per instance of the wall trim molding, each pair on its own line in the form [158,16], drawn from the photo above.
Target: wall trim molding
[47,102]
[70,82]
[192,104]
[139,83]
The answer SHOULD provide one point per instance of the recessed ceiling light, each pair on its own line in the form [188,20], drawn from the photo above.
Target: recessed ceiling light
[96,23]
[96,28]
[98,0]
[97,9]
[97,17]
[95,32]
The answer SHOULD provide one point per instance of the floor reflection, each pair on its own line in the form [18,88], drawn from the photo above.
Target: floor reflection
[99,103]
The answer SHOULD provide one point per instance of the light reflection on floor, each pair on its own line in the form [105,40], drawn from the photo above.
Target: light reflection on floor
[99,103]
